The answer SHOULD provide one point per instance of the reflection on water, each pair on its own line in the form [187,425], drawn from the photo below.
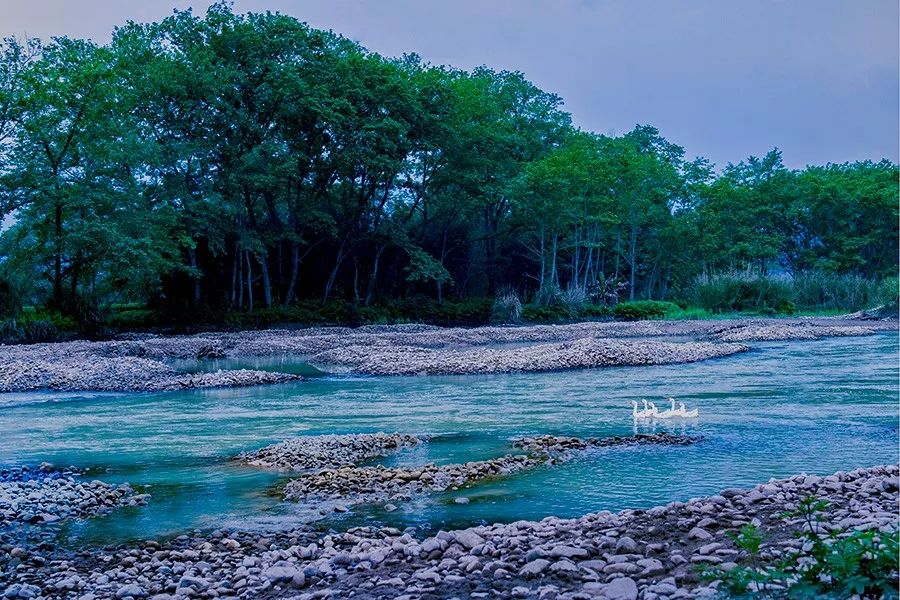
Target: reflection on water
[781,409]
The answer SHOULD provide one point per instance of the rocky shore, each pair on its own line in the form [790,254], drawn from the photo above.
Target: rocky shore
[650,554]
[326,451]
[45,495]
[139,362]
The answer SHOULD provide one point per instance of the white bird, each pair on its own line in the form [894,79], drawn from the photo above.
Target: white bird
[688,414]
[637,414]
[649,411]
[669,413]
[654,412]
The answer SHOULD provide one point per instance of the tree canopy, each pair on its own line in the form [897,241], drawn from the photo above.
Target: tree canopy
[241,161]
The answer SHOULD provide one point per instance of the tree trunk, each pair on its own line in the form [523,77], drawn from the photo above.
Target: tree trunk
[57,256]
[632,252]
[249,281]
[334,271]
[554,276]
[195,276]
[295,271]
[373,277]
[234,271]
[355,281]
[267,284]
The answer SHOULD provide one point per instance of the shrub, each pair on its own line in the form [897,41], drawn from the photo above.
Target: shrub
[836,564]
[742,292]
[557,312]
[596,310]
[817,289]
[643,309]
[507,308]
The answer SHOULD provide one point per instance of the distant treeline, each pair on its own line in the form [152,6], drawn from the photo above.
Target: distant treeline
[239,162]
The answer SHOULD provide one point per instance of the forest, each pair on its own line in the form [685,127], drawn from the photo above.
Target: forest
[229,164]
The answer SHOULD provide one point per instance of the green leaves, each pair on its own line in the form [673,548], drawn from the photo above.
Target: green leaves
[833,564]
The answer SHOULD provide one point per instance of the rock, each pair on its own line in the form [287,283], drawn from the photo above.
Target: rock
[626,545]
[280,572]
[534,567]
[623,588]
[564,566]
[468,539]
[130,590]
[699,534]
[568,552]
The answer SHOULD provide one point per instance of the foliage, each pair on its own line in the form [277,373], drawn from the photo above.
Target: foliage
[817,290]
[507,308]
[643,309]
[829,563]
[206,166]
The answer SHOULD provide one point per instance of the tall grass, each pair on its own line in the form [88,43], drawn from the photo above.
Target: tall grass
[750,292]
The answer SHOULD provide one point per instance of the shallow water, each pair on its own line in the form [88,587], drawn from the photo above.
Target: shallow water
[780,409]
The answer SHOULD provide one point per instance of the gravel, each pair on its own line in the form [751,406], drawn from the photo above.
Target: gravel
[137,362]
[44,495]
[651,554]
[323,451]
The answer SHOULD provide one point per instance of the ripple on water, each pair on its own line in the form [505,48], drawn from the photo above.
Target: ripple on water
[783,408]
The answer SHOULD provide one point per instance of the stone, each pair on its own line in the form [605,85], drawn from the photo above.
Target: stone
[468,539]
[568,552]
[534,567]
[698,533]
[130,590]
[623,588]
[626,545]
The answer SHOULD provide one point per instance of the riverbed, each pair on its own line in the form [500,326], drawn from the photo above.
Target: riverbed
[779,409]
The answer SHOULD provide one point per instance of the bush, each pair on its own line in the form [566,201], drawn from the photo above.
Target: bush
[596,310]
[746,292]
[822,290]
[34,326]
[507,308]
[835,564]
[742,293]
[643,309]
[556,312]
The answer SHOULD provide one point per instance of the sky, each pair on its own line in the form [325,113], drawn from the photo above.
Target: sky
[725,79]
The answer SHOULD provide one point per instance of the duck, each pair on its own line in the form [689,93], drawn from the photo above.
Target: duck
[685,413]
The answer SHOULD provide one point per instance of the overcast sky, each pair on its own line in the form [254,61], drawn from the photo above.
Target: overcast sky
[723,78]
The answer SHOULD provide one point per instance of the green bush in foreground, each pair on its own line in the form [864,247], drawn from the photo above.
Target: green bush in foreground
[828,565]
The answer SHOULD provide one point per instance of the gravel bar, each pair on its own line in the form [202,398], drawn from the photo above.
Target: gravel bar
[43,495]
[137,362]
[326,451]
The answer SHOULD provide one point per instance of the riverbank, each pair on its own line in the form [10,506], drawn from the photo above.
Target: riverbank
[141,362]
[650,554]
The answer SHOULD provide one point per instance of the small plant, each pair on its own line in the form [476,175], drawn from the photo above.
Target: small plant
[507,307]
[829,564]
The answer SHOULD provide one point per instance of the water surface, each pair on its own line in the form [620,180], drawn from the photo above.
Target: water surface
[783,408]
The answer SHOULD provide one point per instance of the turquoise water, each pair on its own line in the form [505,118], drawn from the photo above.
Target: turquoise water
[780,409]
